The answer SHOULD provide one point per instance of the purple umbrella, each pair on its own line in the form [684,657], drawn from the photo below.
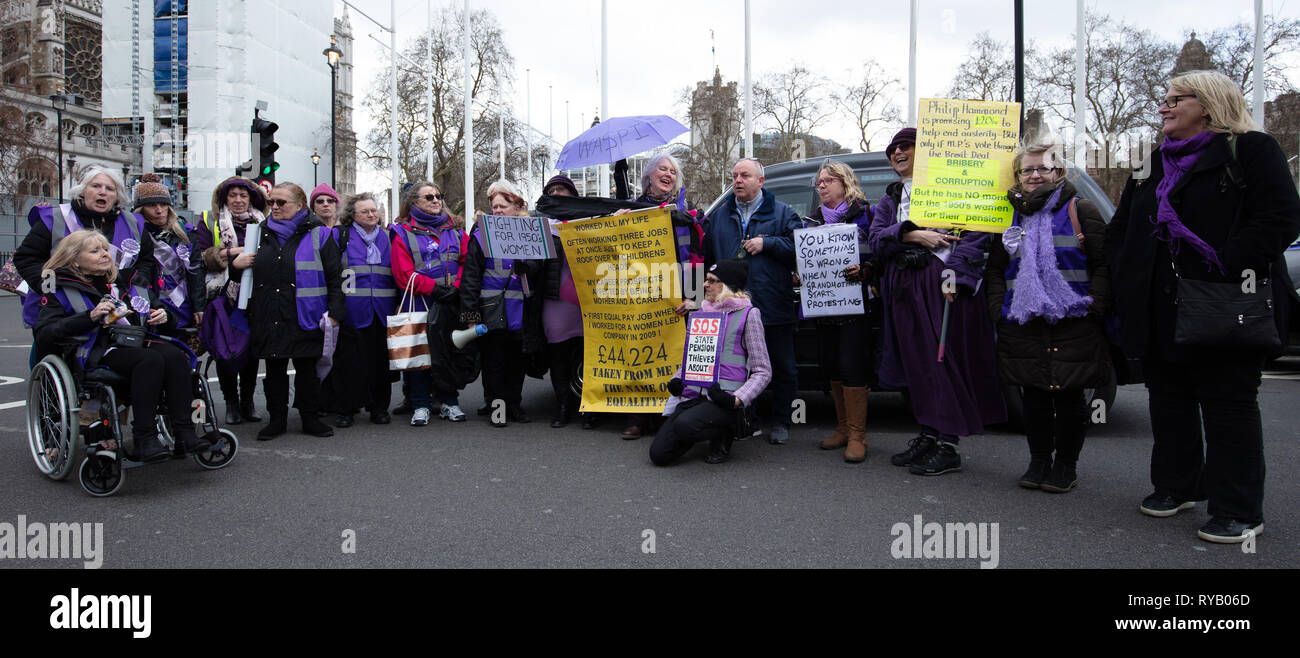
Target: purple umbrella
[613,139]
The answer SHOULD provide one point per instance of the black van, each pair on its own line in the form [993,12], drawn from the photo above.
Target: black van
[792,183]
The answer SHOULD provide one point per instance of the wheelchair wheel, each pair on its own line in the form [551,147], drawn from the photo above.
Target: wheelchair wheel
[53,431]
[222,453]
[101,475]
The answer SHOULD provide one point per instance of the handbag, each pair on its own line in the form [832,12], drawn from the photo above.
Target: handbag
[10,279]
[408,340]
[126,336]
[1210,314]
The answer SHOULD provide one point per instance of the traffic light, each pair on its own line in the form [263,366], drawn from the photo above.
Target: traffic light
[264,140]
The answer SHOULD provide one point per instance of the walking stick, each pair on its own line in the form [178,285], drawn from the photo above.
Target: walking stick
[943,328]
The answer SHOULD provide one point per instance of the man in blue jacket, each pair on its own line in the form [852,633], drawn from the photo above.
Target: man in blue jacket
[751,224]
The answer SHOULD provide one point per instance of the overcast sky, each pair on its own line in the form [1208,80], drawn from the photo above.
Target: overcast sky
[656,49]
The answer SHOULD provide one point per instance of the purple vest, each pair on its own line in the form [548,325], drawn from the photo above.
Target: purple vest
[501,283]
[732,366]
[311,295]
[437,258]
[1070,258]
[79,302]
[61,221]
[371,293]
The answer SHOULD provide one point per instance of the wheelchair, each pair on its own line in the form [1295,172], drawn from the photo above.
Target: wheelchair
[73,414]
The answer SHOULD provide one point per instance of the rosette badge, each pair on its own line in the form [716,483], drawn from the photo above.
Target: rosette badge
[130,249]
[183,252]
[140,305]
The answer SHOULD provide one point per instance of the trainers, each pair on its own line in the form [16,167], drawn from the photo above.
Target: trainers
[1222,530]
[779,435]
[1162,505]
[420,417]
[915,448]
[451,412]
[1038,469]
[943,458]
[1062,478]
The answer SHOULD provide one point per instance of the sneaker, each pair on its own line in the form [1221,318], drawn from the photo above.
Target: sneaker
[451,412]
[779,435]
[943,458]
[1062,478]
[915,448]
[420,417]
[1038,469]
[1222,530]
[1162,505]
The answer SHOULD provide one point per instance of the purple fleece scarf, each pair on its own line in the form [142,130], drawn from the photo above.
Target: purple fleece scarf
[426,221]
[1178,156]
[1041,291]
[286,228]
[835,215]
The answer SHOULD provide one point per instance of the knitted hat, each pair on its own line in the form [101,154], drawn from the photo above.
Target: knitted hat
[733,272]
[563,181]
[150,190]
[323,189]
[901,138]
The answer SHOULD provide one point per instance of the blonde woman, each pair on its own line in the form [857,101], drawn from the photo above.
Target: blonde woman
[1218,205]
[695,414]
[86,302]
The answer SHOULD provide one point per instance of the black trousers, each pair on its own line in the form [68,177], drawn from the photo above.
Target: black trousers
[153,369]
[785,374]
[237,384]
[502,354]
[564,368]
[845,351]
[692,421]
[306,398]
[360,375]
[1055,421]
[1219,393]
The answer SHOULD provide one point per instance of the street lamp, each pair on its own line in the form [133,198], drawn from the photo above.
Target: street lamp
[333,55]
[315,162]
[59,102]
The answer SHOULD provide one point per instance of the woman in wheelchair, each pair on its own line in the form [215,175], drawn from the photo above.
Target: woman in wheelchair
[717,413]
[86,302]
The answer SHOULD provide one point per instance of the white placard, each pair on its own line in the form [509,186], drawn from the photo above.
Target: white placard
[821,254]
[703,340]
[518,238]
[252,240]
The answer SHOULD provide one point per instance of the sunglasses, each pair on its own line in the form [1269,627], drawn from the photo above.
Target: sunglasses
[280,202]
[325,199]
[433,197]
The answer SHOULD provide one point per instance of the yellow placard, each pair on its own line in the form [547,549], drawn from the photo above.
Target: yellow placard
[963,155]
[628,281]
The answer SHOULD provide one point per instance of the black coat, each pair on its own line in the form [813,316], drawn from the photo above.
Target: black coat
[55,323]
[1072,353]
[272,312]
[1267,220]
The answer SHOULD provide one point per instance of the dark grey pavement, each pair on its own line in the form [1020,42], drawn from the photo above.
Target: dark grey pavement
[469,495]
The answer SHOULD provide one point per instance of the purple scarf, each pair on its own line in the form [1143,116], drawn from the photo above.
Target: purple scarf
[1041,291]
[286,228]
[426,221]
[1178,156]
[835,215]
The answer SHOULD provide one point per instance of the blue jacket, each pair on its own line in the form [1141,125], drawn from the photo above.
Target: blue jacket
[771,285]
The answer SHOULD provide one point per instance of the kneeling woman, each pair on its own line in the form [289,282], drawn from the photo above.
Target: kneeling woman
[692,416]
[81,305]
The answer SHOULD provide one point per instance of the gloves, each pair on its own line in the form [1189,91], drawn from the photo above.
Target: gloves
[445,294]
[864,271]
[675,386]
[721,398]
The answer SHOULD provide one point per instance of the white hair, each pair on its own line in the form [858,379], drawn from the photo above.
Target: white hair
[123,194]
[652,164]
[757,165]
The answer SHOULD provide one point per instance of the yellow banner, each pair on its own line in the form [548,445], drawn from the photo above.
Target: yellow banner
[963,154]
[628,281]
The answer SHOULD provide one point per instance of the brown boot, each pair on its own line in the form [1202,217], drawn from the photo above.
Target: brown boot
[855,403]
[841,436]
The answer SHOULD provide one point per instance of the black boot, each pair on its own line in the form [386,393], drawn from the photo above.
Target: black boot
[311,424]
[1039,467]
[249,410]
[719,450]
[561,417]
[1062,478]
[149,448]
[233,416]
[188,439]
[277,426]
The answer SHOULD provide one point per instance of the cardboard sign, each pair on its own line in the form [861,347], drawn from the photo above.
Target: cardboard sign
[963,154]
[703,343]
[518,238]
[821,255]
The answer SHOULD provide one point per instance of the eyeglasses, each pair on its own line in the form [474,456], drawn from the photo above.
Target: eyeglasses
[709,279]
[325,199]
[1041,171]
[280,202]
[825,181]
[1172,101]
[433,197]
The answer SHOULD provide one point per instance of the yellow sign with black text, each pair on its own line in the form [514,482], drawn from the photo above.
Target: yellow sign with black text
[964,151]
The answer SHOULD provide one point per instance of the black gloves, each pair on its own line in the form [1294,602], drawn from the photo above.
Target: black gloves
[675,386]
[721,398]
[445,294]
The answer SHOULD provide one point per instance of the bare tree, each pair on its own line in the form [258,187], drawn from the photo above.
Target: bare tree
[794,102]
[988,74]
[1232,50]
[867,98]
[24,159]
